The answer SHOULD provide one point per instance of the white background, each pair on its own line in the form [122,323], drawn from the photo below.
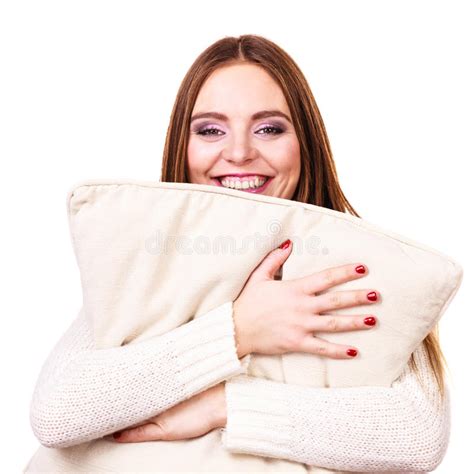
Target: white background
[86,91]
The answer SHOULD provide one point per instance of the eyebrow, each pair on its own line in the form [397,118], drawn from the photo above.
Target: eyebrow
[255,116]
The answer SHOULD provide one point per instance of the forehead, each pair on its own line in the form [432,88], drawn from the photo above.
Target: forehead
[240,90]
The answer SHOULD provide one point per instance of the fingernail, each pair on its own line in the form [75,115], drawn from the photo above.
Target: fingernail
[351,352]
[370,321]
[117,434]
[360,269]
[285,244]
[372,296]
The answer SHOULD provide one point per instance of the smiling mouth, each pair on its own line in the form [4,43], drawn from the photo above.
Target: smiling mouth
[251,183]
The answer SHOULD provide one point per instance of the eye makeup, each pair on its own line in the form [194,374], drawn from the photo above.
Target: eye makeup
[265,129]
[208,130]
[275,129]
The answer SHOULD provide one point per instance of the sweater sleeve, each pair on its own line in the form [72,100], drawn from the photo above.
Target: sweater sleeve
[83,393]
[402,427]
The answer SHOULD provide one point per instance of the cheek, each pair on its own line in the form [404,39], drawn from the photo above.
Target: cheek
[286,157]
[200,157]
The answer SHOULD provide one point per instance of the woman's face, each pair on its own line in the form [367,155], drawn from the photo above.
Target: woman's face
[241,134]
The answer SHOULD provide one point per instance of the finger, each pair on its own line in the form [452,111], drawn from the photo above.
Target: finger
[279,273]
[321,347]
[272,263]
[148,432]
[343,299]
[330,277]
[339,323]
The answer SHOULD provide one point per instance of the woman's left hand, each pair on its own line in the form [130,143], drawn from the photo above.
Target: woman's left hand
[191,418]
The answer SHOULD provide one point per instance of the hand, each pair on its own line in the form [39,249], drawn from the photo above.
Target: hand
[274,316]
[191,418]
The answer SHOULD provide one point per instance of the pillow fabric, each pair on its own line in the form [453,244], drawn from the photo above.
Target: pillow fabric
[153,255]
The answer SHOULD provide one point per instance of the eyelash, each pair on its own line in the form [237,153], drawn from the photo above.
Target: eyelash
[276,130]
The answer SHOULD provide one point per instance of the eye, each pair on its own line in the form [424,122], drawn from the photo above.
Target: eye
[212,131]
[204,131]
[275,130]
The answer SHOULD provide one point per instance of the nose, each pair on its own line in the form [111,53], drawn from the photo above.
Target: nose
[239,149]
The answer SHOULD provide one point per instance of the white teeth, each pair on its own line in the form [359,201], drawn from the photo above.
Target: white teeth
[242,183]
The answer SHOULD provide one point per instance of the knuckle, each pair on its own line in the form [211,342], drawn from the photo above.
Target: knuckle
[361,297]
[290,341]
[334,300]
[348,272]
[302,305]
[162,426]
[329,277]
[358,323]
[332,324]
[321,350]
[140,430]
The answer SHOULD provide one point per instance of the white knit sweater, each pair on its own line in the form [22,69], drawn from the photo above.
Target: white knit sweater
[84,393]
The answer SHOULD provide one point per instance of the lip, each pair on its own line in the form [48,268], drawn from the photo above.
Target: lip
[248,190]
[241,175]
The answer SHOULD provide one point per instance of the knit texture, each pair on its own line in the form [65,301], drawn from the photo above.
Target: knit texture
[83,393]
[364,429]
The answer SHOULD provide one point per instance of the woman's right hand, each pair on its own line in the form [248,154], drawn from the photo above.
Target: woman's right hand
[279,316]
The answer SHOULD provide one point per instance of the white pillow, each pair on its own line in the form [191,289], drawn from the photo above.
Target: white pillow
[134,287]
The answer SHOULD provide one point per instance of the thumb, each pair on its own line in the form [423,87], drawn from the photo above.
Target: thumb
[271,264]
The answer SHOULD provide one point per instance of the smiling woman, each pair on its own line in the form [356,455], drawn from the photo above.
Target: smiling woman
[245,107]
[244,118]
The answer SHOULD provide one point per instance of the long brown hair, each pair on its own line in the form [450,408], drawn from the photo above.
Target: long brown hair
[318,183]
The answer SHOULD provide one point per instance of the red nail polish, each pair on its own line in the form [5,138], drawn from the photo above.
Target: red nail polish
[117,434]
[351,352]
[370,321]
[285,244]
[372,296]
[360,269]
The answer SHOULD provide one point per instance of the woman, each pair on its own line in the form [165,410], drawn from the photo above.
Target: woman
[245,118]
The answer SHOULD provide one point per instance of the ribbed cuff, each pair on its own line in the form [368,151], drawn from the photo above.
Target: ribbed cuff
[258,418]
[206,352]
